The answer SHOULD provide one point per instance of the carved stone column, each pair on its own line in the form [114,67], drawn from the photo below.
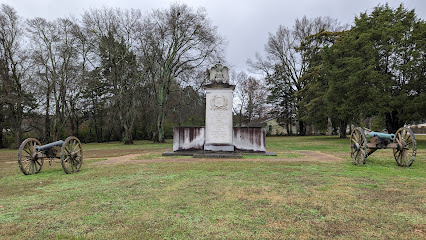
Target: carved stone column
[219,118]
[219,98]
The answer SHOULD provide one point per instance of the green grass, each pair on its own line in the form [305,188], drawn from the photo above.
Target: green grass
[220,199]
[286,155]
[138,144]
[312,143]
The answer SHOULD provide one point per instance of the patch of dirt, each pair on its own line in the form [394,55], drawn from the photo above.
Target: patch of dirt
[9,157]
[120,156]
[319,156]
[130,158]
[12,156]
[314,156]
[108,153]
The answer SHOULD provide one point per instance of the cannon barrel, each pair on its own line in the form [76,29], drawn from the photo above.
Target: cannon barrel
[382,135]
[50,145]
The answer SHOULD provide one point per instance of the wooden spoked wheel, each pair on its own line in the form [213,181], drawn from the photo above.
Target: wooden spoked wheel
[407,146]
[359,147]
[29,159]
[71,155]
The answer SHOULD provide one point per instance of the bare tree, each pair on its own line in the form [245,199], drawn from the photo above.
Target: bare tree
[55,52]
[251,98]
[284,65]
[172,42]
[241,95]
[256,98]
[3,107]
[13,66]
[98,23]
[112,33]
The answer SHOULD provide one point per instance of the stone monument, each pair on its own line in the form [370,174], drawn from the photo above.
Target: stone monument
[218,138]
[219,99]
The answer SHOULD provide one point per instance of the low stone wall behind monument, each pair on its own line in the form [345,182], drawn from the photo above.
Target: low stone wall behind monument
[251,139]
[188,138]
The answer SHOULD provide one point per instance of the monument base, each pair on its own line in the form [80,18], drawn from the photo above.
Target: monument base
[211,154]
[218,155]
[219,147]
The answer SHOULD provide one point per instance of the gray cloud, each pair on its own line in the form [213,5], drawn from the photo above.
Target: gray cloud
[244,23]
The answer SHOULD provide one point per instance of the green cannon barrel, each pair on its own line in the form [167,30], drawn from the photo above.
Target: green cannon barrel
[50,145]
[382,135]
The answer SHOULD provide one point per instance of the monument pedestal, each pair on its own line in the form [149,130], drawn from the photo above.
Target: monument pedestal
[219,118]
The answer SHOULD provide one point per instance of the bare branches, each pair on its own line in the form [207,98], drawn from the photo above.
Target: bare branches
[112,56]
[173,42]
[14,100]
[284,63]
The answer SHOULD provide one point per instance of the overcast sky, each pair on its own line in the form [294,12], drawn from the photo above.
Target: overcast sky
[244,23]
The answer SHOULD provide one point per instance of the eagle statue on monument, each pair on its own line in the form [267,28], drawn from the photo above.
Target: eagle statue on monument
[218,74]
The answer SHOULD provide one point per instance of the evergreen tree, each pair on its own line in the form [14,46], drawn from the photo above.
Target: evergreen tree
[317,81]
[378,68]
[120,69]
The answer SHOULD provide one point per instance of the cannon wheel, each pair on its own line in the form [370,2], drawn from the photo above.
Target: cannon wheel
[71,155]
[29,160]
[405,154]
[359,147]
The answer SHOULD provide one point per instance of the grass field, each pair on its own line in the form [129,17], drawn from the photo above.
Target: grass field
[310,190]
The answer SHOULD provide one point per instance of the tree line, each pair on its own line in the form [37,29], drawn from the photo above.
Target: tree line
[109,75]
[119,75]
[321,73]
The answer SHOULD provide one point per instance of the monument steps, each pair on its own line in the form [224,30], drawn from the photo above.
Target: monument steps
[217,154]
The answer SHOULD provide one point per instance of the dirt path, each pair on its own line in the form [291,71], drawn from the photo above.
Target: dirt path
[307,156]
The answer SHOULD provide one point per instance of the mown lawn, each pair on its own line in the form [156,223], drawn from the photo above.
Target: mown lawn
[258,198]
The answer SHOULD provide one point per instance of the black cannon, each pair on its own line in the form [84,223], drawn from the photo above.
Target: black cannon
[32,154]
[403,143]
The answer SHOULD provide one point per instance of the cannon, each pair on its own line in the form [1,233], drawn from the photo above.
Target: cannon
[32,154]
[403,143]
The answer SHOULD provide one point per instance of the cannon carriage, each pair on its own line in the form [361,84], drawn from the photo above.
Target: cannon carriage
[31,155]
[403,143]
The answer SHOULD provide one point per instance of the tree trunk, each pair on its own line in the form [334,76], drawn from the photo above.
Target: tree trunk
[109,135]
[288,128]
[128,135]
[161,100]
[154,135]
[329,127]
[127,120]
[95,114]
[17,136]
[56,121]
[95,126]
[1,126]
[342,130]
[392,121]
[100,134]
[47,117]
[302,128]
[17,125]
[17,132]
[160,125]
[73,119]
[77,124]
[241,117]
